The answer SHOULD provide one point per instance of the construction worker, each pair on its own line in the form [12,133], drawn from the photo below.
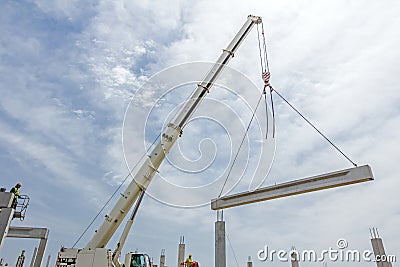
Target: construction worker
[15,190]
[189,261]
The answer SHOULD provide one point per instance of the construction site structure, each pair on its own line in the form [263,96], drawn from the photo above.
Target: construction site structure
[21,260]
[301,186]
[294,257]
[249,262]
[162,258]
[6,214]
[10,211]
[220,240]
[324,181]
[34,256]
[48,261]
[381,257]
[181,252]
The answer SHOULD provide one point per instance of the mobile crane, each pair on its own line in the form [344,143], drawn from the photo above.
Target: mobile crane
[94,254]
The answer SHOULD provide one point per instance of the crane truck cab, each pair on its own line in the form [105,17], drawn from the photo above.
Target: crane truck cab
[68,257]
[137,260]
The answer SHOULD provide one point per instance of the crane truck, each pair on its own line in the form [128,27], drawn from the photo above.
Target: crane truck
[95,253]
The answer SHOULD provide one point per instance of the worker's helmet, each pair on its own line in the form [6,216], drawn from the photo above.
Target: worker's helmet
[19,184]
[190,255]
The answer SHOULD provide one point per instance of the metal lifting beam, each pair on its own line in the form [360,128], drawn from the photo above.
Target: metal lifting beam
[296,187]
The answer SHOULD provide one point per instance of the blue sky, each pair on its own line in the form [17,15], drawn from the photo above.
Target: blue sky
[68,70]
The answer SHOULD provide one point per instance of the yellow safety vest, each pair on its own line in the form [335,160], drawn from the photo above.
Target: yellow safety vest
[15,190]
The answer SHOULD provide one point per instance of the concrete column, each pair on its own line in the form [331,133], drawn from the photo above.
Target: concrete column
[40,252]
[33,257]
[48,261]
[162,258]
[181,252]
[378,248]
[249,262]
[21,259]
[220,242]
[6,216]
[294,259]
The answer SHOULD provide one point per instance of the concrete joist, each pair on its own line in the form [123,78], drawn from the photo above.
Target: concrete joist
[28,232]
[315,183]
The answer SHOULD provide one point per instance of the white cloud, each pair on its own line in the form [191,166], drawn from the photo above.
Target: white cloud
[64,92]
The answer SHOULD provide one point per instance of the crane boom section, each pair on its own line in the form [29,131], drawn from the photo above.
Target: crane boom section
[174,129]
[204,87]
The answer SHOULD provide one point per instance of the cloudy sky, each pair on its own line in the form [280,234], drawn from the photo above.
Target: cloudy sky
[69,69]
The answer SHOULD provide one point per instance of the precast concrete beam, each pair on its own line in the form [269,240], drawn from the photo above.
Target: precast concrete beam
[315,183]
[28,232]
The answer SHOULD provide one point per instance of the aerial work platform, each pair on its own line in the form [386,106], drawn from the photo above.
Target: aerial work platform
[8,212]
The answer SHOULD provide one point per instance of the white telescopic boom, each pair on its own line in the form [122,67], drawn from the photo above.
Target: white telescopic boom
[126,231]
[143,177]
